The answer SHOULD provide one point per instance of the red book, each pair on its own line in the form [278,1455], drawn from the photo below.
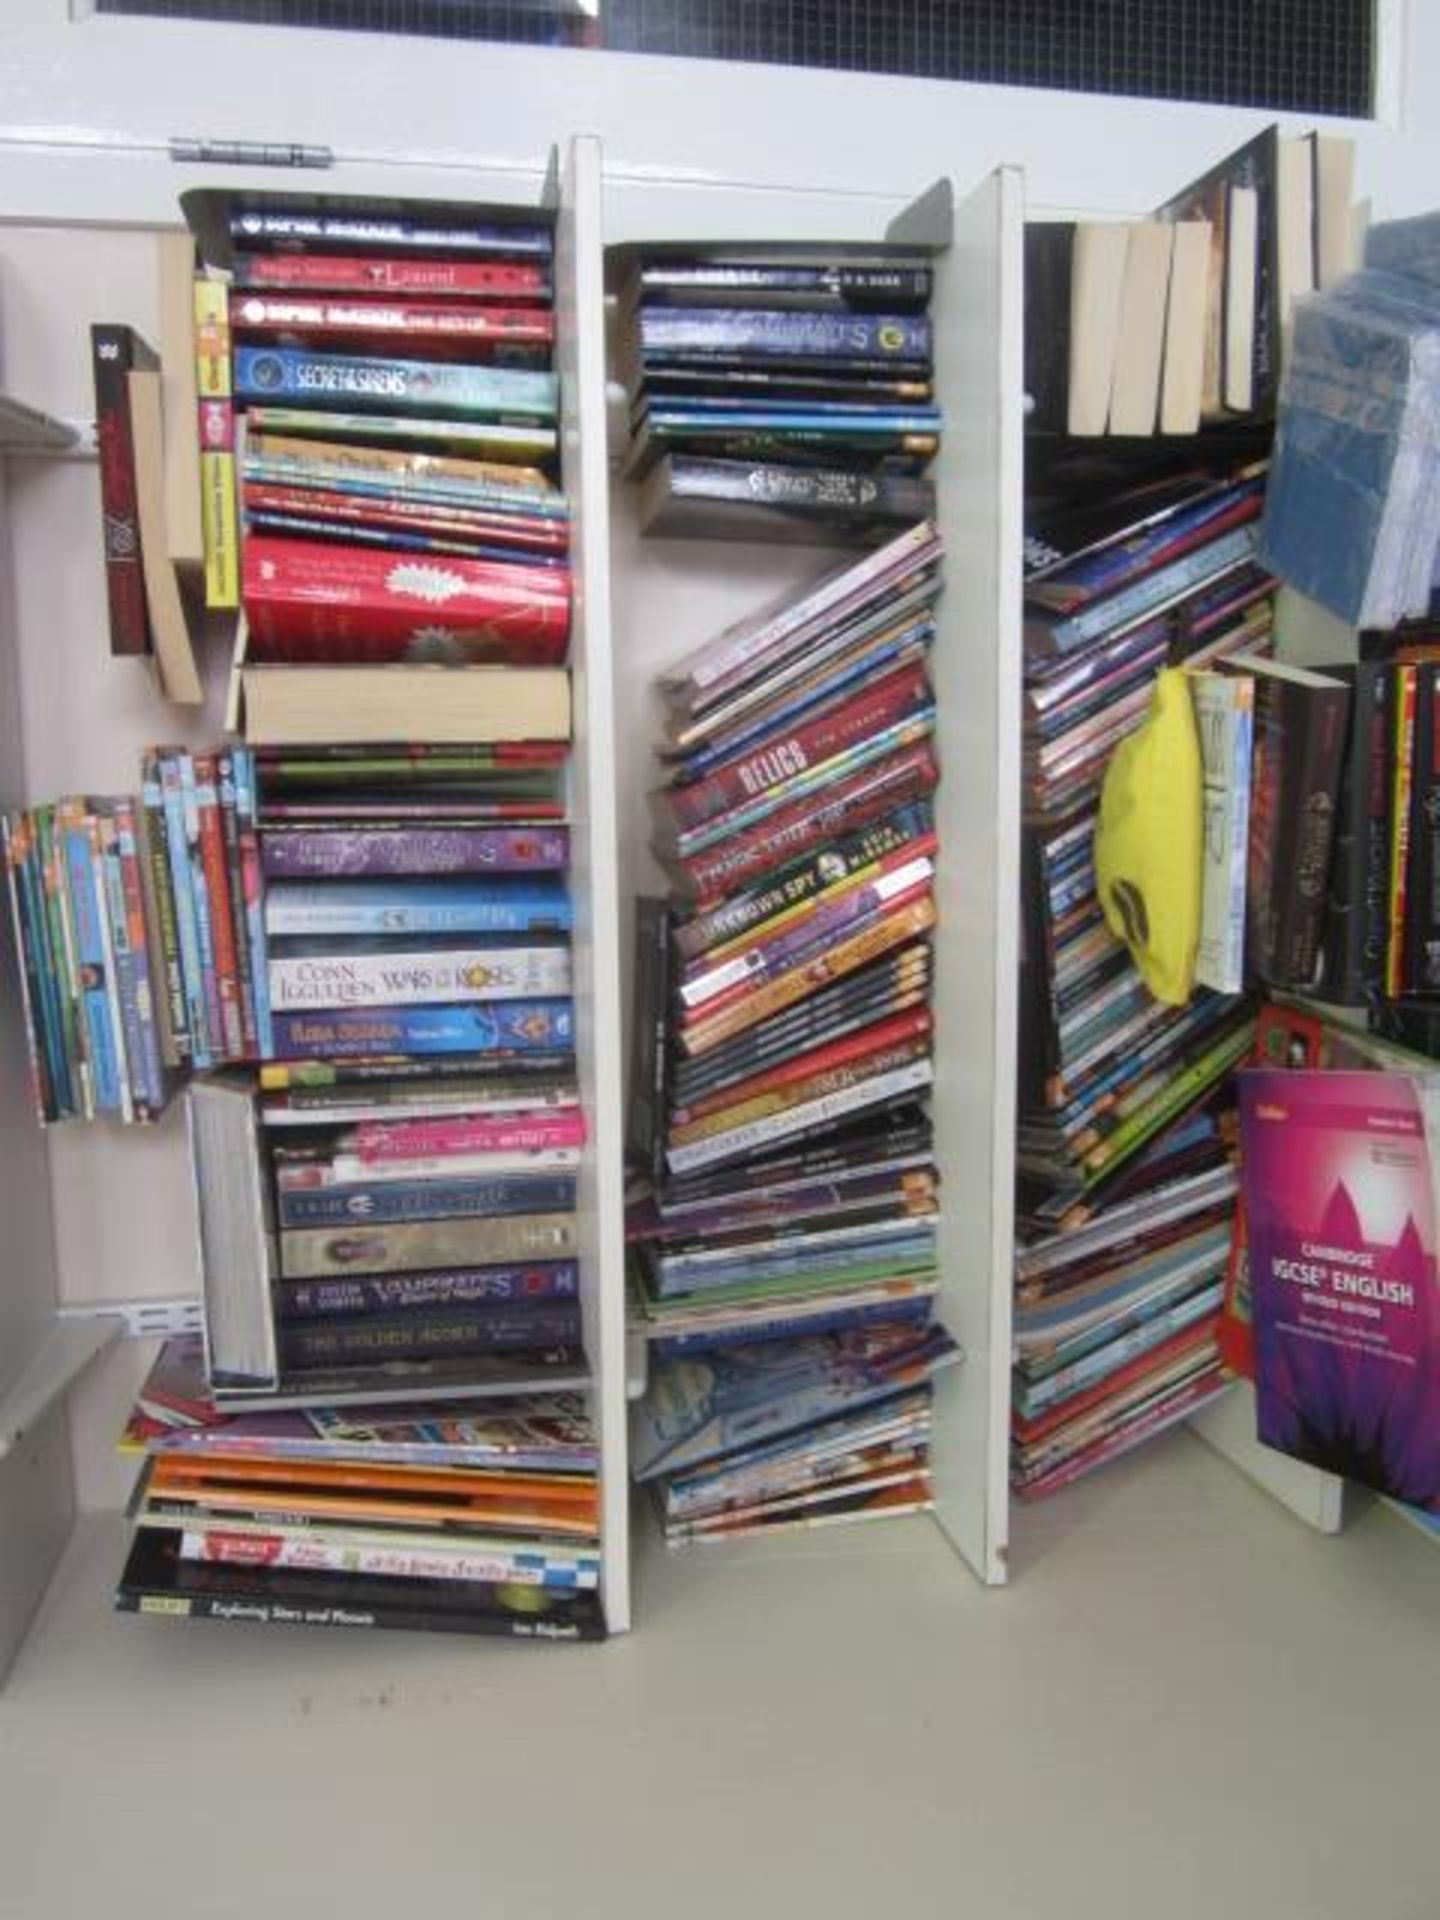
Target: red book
[114,351]
[310,603]
[508,336]
[222,917]
[887,1033]
[419,516]
[412,279]
[784,755]
[791,831]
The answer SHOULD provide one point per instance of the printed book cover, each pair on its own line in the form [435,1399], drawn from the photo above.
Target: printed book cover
[1339,1182]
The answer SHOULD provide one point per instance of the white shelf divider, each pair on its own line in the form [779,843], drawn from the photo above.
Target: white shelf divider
[64,1353]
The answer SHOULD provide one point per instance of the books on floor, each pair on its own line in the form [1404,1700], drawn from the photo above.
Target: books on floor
[472,1518]
[779,399]
[783,1225]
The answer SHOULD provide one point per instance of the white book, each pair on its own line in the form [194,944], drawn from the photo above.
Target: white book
[1140,340]
[1241,274]
[420,977]
[1097,284]
[1224,719]
[1182,381]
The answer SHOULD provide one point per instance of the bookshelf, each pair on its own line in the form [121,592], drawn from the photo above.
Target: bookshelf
[100,1219]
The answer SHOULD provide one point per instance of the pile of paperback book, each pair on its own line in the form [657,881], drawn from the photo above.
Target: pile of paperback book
[784,1231]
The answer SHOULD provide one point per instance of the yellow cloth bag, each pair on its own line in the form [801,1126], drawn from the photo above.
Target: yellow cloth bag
[1148,842]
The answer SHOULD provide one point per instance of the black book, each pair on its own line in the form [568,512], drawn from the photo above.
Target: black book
[1421,972]
[692,497]
[547,1330]
[650,1038]
[810,286]
[156,1580]
[1357,901]
[764,384]
[1049,248]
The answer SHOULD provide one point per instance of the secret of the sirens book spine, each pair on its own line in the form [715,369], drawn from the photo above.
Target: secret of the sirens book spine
[514,1025]
[1340,1199]
[397,279]
[880,336]
[393,1292]
[300,232]
[362,382]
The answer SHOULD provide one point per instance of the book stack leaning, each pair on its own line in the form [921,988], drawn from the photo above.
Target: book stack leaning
[387,1425]
[783,1224]
[1126,1127]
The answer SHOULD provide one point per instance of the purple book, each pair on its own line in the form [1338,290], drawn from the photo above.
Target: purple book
[1339,1182]
[414,850]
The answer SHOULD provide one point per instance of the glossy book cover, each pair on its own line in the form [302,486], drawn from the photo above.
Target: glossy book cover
[1339,1185]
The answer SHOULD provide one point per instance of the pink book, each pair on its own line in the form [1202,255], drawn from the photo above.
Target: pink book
[467,1133]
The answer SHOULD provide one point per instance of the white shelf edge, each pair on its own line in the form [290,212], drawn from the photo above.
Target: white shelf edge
[62,1356]
[1228,1425]
[26,429]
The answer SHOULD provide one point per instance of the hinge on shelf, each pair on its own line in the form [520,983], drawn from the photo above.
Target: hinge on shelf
[248,153]
[143,1319]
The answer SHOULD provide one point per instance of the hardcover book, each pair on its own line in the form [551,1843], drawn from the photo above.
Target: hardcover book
[1340,1197]
[115,351]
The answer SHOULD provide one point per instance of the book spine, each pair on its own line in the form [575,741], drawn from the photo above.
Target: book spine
[42,1089]
[392,1616]
[1309,808]
[819,490]
[418,851]
[309,232]
[419,978]
[784,757]
[471,1133]
[308,1253]
[401,279]
[775,1127]
[151,1083]
[421,1336]
[227,793]
[828,287]
[811,933]
[116,996]
[508,336]
[61,972]
[349,1170]
[1225,724]
[252,897]
[160,914]
[851,805]
[1402,762]
[801,883]
[802,1064]
[113,351]
[782,1097]
[200,894]
[219,511]
[511,1026]
[406,387]
[90,954]
[393,1293]
[308,1553]
[125,998]
[292,908]
[1423,931]
[209,803]
[764,333]
[393,1200]
[187,917]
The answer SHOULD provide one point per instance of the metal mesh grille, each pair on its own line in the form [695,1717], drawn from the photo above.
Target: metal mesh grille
[1314,56]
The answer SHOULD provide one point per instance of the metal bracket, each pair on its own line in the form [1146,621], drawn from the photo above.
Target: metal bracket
[142,1319]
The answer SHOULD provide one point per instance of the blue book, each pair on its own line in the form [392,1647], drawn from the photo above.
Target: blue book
[90,962]
[464,905]
[427,1199]
[1055,633]
[543,1281]
[186,919]
[767,333]
[520,1026]
[357,383]
[915,1311]
[794,419]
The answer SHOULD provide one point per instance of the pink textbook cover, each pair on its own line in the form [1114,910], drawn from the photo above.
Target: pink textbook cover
[1339,1184]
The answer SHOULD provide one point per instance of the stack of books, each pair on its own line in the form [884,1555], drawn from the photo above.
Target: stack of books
[1165,325]
[1353,517]
[476,1518]
[395,415]
[140,935]
[784,1226]
[780,399]
[1126,1106]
